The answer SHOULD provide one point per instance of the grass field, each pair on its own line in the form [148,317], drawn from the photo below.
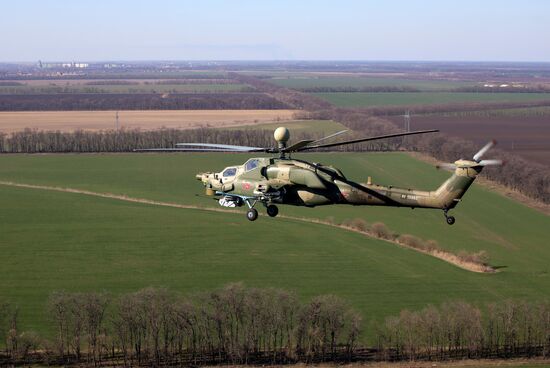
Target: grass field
[54,240]
[371,99]
[143,119]
[358,81]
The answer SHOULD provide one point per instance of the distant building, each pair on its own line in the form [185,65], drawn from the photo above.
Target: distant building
[75,65]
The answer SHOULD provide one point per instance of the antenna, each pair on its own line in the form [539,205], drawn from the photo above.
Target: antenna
[407,118]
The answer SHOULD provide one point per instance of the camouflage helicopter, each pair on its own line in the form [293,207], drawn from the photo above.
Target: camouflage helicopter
[284,180]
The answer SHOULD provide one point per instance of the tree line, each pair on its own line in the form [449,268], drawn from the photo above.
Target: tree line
[242,325]
[127,140]
[141,101]
[234,324]
[460,330]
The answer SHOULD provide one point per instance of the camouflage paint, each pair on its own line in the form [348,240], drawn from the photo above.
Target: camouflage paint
[305,184]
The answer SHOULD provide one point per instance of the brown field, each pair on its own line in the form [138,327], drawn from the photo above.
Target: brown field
[143,119]
[527,136]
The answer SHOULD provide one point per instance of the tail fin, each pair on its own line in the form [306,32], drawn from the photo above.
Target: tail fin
[451,191]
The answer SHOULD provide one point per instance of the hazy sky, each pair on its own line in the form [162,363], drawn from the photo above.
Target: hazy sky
[486,30]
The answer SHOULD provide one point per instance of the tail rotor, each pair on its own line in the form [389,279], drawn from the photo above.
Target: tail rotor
[477,161]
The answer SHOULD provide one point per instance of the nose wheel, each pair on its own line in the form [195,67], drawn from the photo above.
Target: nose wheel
[252,214]
[450,219]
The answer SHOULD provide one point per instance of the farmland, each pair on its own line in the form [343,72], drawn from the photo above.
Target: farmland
[141,245]
[308,81]
[141,220]
[146,120]
[120,86]
[159,91]
[371,99]
[524,132]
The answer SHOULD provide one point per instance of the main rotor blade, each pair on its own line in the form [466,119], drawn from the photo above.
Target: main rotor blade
[183,150]
[367,139]
[296,146]
[225,147]
[482,151]
[331,136]
[301,144]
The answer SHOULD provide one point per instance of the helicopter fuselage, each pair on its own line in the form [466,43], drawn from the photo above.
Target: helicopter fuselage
[300,183]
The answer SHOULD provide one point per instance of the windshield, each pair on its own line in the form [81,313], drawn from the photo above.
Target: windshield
[230,171]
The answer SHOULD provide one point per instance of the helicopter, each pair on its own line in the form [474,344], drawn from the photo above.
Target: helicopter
[284,180]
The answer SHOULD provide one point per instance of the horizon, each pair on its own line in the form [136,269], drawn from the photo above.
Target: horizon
[272,61]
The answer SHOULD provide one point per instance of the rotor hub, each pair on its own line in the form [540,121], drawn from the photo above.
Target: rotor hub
[281,135]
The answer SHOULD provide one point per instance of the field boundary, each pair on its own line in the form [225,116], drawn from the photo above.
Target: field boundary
[437,253]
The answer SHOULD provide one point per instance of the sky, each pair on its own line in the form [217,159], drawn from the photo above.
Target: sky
[444,30]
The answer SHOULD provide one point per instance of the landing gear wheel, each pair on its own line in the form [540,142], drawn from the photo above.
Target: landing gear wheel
[252,214]
[272,210]
[450,220]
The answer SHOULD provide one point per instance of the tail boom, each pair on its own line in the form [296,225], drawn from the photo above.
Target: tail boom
[445,197]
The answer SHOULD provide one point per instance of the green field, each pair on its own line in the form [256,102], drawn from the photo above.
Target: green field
[53,240]
[358,81]
[371,99]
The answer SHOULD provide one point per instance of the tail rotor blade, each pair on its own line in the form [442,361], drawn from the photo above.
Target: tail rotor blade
[482,151]
[491,162]
[446,166]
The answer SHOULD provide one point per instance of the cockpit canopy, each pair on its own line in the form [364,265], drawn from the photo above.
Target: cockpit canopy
[251,164]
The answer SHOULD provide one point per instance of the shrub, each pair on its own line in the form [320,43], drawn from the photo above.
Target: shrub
[359,224]
[481,257]
[412,241]
[380,230]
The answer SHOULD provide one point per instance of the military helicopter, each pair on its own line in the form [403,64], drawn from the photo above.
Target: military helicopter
[284,180]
